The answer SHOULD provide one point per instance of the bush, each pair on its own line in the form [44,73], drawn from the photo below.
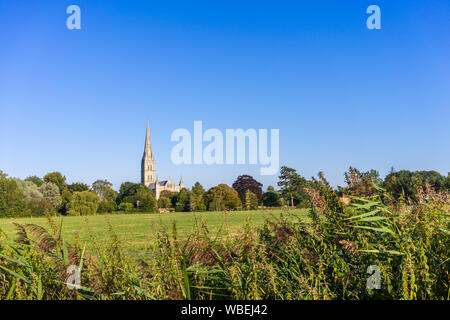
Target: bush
[12,202]
[106,206]
[83,203]
[125,207]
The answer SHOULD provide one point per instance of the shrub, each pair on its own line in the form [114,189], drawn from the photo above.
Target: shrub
[83,203]
[12,202]
[125,207]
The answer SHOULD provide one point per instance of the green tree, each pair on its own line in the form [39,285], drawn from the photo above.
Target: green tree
[29,190]
[293,187]
[103,189]
[83,203]
[78,187]
[183,201]
[50,192]
[36,180]
[106,206]
[271,198]
[164,202]
[125,191]
[198,189]
[125,207]
[251,200]
[139,195]
[197,201]
[170,195]
[12,201]
[58,179]
[222,197]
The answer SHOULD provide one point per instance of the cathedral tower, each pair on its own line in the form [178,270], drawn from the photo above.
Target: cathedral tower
[148,162]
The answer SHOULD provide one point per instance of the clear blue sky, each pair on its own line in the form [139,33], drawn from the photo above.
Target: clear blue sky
[78,101]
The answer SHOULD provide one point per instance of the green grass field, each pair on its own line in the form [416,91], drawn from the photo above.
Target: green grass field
[136,230]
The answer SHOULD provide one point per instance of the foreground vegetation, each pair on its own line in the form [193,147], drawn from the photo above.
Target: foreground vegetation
[285,258]
[136,230]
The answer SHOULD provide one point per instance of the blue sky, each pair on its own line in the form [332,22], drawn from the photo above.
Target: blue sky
[77,101]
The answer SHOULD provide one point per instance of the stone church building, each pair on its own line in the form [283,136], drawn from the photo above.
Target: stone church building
[148,172]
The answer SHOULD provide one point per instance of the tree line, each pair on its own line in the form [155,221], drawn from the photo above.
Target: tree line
[35,196]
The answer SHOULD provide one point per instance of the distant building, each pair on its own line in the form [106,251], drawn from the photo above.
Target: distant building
[148,171]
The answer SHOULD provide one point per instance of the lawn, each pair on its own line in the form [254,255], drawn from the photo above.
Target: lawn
[136,230]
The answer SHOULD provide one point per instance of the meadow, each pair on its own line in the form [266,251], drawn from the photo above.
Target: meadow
[135,231]
[325,252]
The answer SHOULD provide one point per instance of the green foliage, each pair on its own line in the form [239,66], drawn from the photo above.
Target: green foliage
[170,195]
[106,206]
[29,190]
[83,203]
[198,189]
[36,180]
[125,207]
[103,189]
[12,202]
[222,197]
[78,187]
[58,179]
[164,202]
[251,200]
[292,187]
[50,192]
[406,183]
[183,201]
[271,199]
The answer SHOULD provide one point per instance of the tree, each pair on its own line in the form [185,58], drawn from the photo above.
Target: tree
[66,197]
[125,207]
[2,174]
[78,187]
[222,197]
[197,202]
[83,203]
[147,202]
[251,200]
[36,180]
[405,183]
[164,202]
[50,192]
[12,201]
[103,189]
[137,194]
[106,206]
[198,189]
[183,201]
[124,191]
[58,179]
[29,190]
[246,182]
[172,196]
[293,187]
[271,198]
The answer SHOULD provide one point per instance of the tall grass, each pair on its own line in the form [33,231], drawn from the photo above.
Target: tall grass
[286,258]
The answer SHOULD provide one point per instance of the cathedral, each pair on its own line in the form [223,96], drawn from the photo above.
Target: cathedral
[148,172]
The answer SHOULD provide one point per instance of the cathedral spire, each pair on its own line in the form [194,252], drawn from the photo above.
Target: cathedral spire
[148,143]
[148,162]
